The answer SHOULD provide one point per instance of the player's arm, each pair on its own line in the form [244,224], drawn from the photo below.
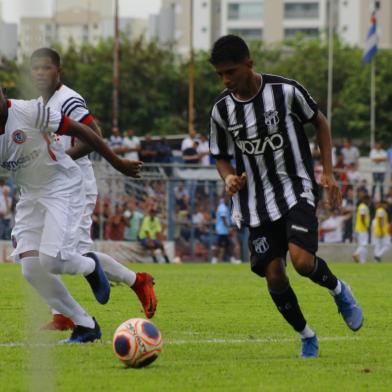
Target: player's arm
[81,149]
[324,141]
[95,142]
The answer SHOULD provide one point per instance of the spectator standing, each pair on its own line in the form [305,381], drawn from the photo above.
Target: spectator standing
[148,152]
[203,150]
[115,139]
[350,153]
[149,234]
[380,232]
[131,145]
[115,226]
[332,227]
[348,209]
[134,217]
[222,229]
[362,222]
[379,159]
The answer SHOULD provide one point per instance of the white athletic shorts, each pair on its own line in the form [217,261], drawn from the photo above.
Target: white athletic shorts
[49,224]
[84,233]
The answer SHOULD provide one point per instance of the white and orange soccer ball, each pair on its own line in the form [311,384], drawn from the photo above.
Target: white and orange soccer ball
[137,342]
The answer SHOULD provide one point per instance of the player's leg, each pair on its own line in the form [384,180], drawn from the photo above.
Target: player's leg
[302,234]
[159,245]
[59,243]
[267,252]
[141,283]
[55,294]
[377,246]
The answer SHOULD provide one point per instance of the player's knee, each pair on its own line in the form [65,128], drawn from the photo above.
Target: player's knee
[303,265]
[49,264]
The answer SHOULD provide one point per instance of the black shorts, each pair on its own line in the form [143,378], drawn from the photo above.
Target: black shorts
[270,240]
[223,241]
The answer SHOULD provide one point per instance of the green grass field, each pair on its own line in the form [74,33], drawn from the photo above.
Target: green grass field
[221,333]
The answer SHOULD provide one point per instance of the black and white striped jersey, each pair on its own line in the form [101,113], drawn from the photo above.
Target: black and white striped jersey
[265,136]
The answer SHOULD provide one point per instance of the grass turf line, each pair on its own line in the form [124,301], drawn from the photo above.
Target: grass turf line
[222,332]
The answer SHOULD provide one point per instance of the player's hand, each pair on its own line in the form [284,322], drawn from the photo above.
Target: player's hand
[234,183]
[130,168]
[334,198]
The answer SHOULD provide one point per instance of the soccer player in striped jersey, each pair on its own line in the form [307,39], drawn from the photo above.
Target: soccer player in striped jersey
[51,204]
[258,121]
[45,71]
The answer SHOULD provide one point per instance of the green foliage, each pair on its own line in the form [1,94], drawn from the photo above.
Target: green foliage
[221,332]
[154,83]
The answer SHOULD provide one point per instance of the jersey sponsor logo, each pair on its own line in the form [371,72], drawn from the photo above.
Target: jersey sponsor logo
[261,245]
[258,146]
[235,129]
[271,120]
[18,136]
[21,162]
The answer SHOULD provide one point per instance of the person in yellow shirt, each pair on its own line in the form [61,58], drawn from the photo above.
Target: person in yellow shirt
[362,224]
[149,235]
[381,239]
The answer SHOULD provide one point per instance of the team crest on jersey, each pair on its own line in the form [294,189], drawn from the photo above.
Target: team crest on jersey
[260,244]
[271,120]
[18,136]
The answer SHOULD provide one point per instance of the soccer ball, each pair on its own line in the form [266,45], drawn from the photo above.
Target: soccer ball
[137,342]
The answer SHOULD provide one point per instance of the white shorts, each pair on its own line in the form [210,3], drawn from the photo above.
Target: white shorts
[84,233]
[49,224]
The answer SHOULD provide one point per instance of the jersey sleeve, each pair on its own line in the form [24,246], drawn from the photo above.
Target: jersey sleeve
[76,109]
[304,105]
[49,120]
[221,143]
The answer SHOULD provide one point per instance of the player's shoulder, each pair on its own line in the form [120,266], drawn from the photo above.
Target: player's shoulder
[221,97]
[279,79]
[67,92]
[21,107]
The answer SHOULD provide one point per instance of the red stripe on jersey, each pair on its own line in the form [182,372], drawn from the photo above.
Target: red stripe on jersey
[50,151]
[88,120]
[9,103]
[64,125]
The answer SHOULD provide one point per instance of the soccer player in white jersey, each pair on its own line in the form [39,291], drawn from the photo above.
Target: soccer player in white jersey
[51,205]
[45,70]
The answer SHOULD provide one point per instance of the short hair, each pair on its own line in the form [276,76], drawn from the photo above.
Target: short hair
[47,52]
[229,48]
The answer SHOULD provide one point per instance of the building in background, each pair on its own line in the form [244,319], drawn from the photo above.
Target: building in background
[8,38]
[353,21]
[88,21]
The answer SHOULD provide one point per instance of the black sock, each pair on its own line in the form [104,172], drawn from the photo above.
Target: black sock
[287,305]
[322,275]
[154,259]
[166,259]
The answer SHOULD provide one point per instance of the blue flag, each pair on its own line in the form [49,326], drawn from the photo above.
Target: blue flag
[371,44]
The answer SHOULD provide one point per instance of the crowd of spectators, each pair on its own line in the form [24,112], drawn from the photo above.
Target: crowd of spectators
[199,230]
[337,226]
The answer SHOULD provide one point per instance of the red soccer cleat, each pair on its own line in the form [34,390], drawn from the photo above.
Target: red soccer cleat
[144,289]
[59,323]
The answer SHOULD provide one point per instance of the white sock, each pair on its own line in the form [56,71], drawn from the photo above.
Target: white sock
[77,265]
[307,332]
[53,292]
[337,290]
[115,271]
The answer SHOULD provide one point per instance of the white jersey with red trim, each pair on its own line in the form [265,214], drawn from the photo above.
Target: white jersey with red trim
[71,104]
[26,149]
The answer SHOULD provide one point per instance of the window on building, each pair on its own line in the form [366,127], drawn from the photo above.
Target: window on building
[250,10]
[307,32]
[301,10]
[247,34]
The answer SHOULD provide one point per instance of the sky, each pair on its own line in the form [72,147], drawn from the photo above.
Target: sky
[12,9]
